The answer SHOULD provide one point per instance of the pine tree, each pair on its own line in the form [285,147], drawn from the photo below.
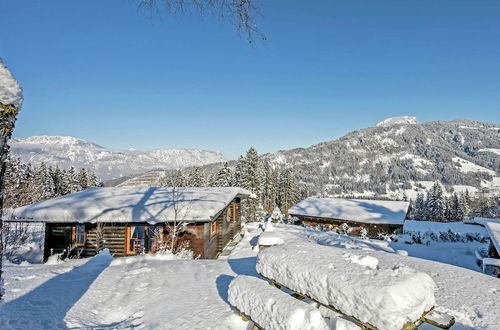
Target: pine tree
[83,179]
[435,203]
[195,178]
[57,178]
[250,179]
[70,181]
[43,184]
[466,205]
[223,177]
[287,189]
[93,180]
[239,172]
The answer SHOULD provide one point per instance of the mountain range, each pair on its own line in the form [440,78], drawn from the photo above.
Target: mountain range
[66,151]
[400,155]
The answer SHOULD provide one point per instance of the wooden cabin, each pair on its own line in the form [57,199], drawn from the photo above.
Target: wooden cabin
[375,216]
[135,220]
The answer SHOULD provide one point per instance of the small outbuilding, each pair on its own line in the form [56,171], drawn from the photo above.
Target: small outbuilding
[375,216]
[491,262]
[135,220]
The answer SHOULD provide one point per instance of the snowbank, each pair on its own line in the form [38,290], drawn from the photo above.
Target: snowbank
[366,211]
[271,308]
[10,91]
[386,296]
[132,204]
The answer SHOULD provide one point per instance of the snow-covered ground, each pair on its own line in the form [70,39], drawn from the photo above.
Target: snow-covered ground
[157,293]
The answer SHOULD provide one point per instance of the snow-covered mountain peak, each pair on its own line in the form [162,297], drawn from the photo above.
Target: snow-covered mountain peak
[401,120]
[66,151]
[55,141]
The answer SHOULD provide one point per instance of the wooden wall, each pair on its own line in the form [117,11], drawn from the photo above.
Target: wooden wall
[373,229]
[113,237]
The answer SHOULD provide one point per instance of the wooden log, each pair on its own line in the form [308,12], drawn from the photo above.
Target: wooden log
[247,318]
[438,319]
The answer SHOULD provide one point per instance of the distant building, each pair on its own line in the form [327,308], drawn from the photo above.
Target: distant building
[136,220]
[376,216]
[490,260]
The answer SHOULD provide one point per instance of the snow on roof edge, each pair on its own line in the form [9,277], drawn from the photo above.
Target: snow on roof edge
[130,205]
[493,229]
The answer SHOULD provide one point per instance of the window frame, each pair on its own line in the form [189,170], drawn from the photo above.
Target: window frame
[213,228]
[75,234]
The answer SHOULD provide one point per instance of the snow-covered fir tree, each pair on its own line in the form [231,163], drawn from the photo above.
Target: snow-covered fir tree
[223,177]
[25,184]
[44,187]
[436,203]
[195,178]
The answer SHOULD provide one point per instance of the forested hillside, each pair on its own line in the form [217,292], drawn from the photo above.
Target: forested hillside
[400,157]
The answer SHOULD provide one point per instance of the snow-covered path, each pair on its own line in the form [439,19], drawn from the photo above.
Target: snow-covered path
[155,293]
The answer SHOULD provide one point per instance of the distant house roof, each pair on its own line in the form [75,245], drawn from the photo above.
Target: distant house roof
[493,228]
[366,211]
[131,204]
[480,221]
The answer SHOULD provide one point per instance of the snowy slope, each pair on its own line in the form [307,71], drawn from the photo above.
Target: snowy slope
[107,163]
[400,155]
[154,293]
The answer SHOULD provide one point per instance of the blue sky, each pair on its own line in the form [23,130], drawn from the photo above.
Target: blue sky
[100,70]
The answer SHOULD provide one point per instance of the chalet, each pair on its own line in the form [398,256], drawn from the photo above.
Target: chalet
[376,216]
[135,220]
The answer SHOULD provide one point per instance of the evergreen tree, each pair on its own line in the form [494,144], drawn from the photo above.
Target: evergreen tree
[195,178]
[250,179]
[238,172]
[435,203]
[70,182]
[83,179]
[287,189]
[223,177]
[43,184]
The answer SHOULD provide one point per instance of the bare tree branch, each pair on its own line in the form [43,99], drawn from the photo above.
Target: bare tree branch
[239,13]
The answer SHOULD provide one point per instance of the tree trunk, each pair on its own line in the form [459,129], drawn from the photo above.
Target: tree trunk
[8,114]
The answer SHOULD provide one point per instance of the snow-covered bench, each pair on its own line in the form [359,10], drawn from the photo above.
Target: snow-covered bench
[368,288]
[272,309]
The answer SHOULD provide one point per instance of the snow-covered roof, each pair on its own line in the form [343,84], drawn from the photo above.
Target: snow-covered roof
[493,228]
[480,221]
[10,91]
[359,210]
[131,204]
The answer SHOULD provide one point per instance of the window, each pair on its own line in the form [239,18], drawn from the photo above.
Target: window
[229,213]
[79,235]
[213,228]
[143,239]
[136,236]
